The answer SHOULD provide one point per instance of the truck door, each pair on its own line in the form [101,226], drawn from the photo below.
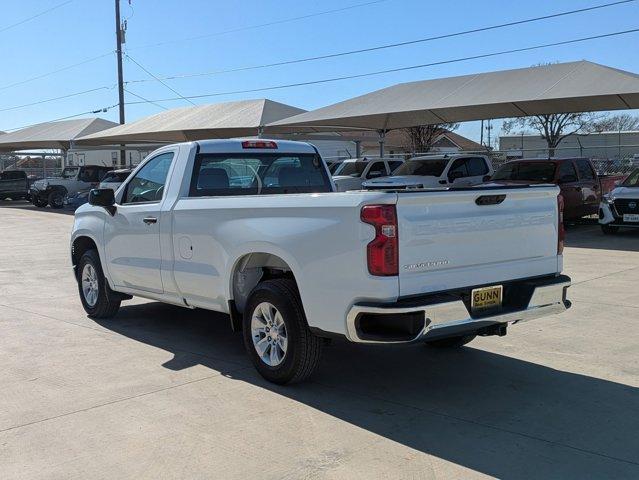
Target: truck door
[590,189]
[570,190]
[132,234]
[11,182]
[477,170]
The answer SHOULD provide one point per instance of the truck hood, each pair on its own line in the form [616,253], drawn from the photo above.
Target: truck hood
[403,181]
[624,192]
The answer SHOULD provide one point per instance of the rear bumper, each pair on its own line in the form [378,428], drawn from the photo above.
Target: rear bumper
[438,316]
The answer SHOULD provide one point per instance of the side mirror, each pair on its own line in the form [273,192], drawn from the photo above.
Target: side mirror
[568,179]
[617,183]
[486,178]
[103,197]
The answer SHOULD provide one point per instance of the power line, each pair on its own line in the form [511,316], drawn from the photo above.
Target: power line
[39,102]
[261,25]
[68,67]
[400,69]
[99,110]
[391,45]
[44,12]
[146,100]
[361,75]
[156,78]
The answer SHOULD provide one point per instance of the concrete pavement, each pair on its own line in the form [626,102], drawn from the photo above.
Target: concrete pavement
[165,392]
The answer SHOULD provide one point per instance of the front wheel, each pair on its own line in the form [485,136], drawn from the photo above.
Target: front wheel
[609,230]
[98,300]
[56,199]
[451,342]
[39,202]
[276,334]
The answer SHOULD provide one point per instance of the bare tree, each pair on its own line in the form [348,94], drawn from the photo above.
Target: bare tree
[615,123]
[553,127]
[422,137]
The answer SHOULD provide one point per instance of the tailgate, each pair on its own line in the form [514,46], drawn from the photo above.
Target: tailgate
[447,240]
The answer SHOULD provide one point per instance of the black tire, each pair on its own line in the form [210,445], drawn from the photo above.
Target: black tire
[451,342]
[108,301]
[39,202]
[56,199]
[303,350]
[609,230]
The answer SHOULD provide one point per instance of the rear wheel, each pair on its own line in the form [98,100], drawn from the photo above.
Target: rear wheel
[451,342]
[98,300]
[609,230]
[276,334]
[56,199]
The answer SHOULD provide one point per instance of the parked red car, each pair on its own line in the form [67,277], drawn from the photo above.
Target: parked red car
[580,185]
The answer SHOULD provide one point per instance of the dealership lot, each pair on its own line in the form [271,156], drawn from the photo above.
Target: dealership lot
[161,391]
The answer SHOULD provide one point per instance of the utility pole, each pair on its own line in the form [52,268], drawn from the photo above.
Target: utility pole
[118,39]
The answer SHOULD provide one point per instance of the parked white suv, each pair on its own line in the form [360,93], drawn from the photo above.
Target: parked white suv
[350,174]
[254,229]
[436,171]
[620,207]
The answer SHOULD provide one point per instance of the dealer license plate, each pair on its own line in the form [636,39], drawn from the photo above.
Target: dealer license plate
[486,298]
[631,217]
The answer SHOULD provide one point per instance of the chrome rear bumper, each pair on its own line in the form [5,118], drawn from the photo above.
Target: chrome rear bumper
[545,300]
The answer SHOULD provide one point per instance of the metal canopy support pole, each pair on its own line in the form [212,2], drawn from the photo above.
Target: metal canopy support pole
[382,137]
[358,149]
[118,39]
[260,131]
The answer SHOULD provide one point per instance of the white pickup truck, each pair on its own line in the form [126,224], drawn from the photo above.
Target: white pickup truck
[254,229]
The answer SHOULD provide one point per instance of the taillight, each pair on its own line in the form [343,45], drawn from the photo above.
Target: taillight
[561,230]
[383,251]
[259,144]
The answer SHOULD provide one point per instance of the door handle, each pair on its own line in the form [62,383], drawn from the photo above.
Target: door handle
[150,220]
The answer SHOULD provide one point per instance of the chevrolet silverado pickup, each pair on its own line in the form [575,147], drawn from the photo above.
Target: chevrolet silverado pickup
[255,229]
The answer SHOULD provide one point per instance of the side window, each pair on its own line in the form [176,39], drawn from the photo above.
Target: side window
[567,169]
[458,169]
[477,167]
[378,169]
[394,165]
[90,174]
[148,183]
[585,170]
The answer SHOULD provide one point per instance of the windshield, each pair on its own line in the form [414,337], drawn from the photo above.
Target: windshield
[351,169]
[426,167]
[632,180]
[532,171]
[115,177]
[69,172]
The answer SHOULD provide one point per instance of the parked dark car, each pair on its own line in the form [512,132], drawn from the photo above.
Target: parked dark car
[580,185]
[14,184]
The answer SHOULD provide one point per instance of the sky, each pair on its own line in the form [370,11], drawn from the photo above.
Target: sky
[191,36]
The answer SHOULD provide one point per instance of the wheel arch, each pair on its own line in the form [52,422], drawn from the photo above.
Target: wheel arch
[79,246]
[251,268]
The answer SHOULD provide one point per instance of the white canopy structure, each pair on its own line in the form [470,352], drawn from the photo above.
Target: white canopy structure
[557,88]
[221,120]
[57,135]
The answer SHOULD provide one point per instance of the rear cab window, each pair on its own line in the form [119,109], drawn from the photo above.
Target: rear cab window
[220,174]
[527,171]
